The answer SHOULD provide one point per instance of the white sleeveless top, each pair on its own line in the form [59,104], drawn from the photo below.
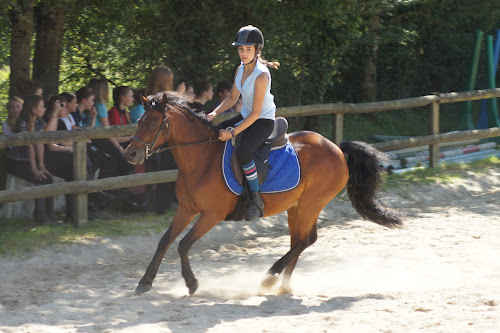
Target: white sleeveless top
[247,92]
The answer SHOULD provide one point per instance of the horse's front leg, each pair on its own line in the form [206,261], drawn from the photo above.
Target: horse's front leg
[182,218]
[206,222]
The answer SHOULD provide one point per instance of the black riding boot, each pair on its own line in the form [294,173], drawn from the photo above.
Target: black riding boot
[255,207]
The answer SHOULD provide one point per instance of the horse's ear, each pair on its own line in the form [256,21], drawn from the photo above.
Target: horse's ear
[164,98]
[144,100]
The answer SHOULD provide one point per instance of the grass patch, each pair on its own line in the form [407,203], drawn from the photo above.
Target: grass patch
[21,236]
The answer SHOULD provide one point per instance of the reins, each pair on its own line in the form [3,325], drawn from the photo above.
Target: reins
[166,125]
[160,149]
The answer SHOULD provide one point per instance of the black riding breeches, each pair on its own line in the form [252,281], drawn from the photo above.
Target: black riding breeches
[252,138]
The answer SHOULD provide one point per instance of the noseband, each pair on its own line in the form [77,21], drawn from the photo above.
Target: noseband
[165,125]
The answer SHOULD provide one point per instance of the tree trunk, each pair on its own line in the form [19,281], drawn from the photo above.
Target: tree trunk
[48,47]
[21,18]
[369,85]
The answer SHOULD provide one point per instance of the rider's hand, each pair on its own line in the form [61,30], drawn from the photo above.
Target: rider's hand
[225,135]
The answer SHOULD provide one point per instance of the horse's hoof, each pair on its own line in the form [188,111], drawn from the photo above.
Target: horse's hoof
[268,283]
[284,291]
[142,288]
[193,287]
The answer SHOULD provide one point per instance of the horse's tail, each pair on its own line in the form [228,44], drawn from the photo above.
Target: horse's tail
[364,182]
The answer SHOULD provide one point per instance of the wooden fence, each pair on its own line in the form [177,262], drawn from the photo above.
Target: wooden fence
[81,187]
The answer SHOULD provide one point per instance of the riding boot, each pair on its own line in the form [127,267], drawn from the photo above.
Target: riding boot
[49,208]
[255,207]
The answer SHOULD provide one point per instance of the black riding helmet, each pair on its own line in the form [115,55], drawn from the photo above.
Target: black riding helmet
[250,35]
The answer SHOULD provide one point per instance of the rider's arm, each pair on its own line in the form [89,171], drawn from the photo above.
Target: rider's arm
[228,102]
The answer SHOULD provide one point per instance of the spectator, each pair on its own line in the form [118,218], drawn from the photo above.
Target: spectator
[96,200]
[68,122]
[85,114]
[163,196]
[59,157]
[137,110]
[203,92]
[101,91]
[222,91]
[57,106]
[27,162]
[14,107]
[123,97]
[162,79]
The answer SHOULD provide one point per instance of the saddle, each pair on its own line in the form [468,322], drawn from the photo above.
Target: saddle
[277,140]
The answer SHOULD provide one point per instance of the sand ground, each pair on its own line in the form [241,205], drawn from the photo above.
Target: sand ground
[440,273]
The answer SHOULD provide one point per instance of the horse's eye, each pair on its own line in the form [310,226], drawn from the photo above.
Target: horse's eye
[153,125]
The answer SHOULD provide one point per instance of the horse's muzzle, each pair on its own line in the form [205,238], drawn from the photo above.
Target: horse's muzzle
[135,155]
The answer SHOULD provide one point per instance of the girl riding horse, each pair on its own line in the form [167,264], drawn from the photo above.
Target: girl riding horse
[256,121]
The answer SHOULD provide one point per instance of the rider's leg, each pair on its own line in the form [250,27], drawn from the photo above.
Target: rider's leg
[251,139]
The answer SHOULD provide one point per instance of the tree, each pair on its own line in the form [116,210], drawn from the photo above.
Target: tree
[21,18]
[50,18]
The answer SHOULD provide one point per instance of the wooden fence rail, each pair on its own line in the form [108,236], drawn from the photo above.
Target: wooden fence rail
[80,186]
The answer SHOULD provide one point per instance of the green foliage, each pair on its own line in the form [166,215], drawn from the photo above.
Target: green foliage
[421,46]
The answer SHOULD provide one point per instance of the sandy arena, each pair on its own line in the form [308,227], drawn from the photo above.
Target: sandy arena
[440,273]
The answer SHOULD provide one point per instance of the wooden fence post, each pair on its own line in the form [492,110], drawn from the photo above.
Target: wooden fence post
[434,148]
[80,173]
[338,128]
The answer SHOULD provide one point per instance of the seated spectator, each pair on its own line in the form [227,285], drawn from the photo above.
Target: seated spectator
[101,92]
[222,91]
[14,107]
[85,113]
[27,162]
[123,97]
[59,157]
[137,110]
[163,194]
[161,80]
[68,122]
[203,92]
[106,154]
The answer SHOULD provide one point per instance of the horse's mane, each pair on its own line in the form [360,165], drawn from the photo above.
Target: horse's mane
[179,102]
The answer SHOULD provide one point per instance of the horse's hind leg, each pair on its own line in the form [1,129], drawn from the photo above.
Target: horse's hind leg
[285,285]
[181,220]
[202,226]
[303,233]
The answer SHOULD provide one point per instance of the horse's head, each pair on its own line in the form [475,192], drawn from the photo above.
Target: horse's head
[152,129]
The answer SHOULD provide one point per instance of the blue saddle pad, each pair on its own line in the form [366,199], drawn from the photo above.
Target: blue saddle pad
[283,174]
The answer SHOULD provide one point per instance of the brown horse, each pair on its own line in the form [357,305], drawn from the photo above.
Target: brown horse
[201,190]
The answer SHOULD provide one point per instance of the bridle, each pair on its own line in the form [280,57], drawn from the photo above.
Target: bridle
[165,125]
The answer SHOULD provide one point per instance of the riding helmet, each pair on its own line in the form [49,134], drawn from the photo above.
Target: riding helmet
[250,35]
